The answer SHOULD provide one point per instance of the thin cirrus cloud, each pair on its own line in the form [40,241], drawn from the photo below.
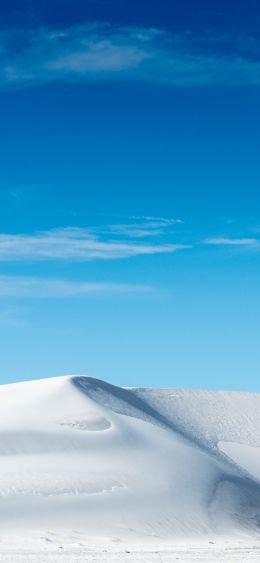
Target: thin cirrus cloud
[75,244]
[41,288]
[94,51]
[143,227]
[225,241]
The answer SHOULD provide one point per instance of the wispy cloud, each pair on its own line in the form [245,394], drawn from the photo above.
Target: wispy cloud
[41,288]
[75,244]
[232,241]
[97,51]
[89,51]
[144,226]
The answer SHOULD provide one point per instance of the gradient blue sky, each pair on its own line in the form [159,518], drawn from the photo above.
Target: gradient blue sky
[130,191]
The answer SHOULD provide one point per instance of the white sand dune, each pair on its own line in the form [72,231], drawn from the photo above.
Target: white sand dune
[135,465]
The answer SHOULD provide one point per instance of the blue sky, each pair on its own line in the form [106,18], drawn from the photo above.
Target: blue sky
[129,192]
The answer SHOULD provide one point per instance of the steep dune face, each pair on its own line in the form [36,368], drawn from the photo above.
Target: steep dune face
[76,452]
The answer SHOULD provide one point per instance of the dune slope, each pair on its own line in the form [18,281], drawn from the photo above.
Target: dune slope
[147,464]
